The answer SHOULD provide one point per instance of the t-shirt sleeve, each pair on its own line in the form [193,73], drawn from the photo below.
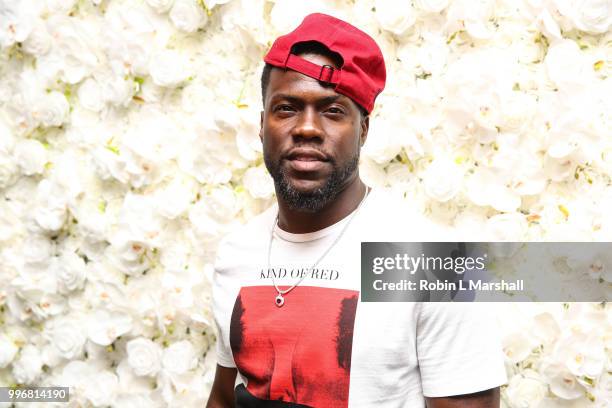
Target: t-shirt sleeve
[222,307]
[458,349]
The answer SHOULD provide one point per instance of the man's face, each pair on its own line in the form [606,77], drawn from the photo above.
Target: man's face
[311,138]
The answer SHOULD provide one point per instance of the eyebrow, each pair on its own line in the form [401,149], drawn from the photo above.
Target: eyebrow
[323,101]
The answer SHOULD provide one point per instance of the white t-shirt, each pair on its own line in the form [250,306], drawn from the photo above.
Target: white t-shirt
[326,348]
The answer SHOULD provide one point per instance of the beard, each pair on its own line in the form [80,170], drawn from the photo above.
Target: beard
[314,200]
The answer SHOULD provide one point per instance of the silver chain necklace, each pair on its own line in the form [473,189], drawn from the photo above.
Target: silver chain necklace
[280,300]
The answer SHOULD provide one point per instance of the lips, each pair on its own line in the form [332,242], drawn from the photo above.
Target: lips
[306,159]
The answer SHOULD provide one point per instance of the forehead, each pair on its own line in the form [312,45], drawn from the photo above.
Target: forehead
[298,85]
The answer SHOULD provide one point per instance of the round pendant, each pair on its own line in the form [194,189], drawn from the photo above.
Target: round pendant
[279,300]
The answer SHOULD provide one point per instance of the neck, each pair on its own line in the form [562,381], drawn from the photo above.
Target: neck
[298,222]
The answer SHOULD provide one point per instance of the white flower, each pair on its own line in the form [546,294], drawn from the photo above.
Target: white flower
[583,355]
[39,41]
[432,6]
[179,357]
[90,95]
[50,109]
[144,356]
[67,336]
[187,15]
[472,16]
[517,347]
[566,65]
[101,388]
[485,187]
[592,16]
[396,16]
[8,350]
[258,182]
[287,14]
[443,179]
[50,206]
[103,326]
[9,170]
[31,156]
[562,383]
[160,6]
[507,227]
[70,272]
[174,199]
[526,389]
[73,53]
[15,21]
[167,68]
[28,366]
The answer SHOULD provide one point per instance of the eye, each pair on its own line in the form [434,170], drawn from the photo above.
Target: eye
[335,110]
[283,108]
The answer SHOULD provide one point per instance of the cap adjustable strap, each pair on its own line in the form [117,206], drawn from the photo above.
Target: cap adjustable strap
[325,73]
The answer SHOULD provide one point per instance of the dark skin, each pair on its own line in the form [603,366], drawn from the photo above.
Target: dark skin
[300,112]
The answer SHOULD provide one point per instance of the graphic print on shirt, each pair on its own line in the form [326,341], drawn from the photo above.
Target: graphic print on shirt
[299,353]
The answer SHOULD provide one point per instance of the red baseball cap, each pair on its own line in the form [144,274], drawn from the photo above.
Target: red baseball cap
[362,74]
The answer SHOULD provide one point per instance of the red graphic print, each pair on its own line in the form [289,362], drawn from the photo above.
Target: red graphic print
[300,352]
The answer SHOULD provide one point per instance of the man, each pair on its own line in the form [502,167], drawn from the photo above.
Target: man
[287,285]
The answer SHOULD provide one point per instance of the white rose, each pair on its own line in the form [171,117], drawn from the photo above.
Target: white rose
[167,68]
[175,199]
[258,182]
[74,52]
[101,388]
[144,356]
[179,357]
[103,327]
[187,15]
[39,41]
[8,350]
[70,272]
[432,6]
[90,95]
[50,210]
[287,14]
[31,156]
[442,179]
[50,109]
[526,389]
[28,367]
[592,16]
[8,170]
[395,15]
[382,143]
[128,254]
[67,336]
[117,90]
[160,6]
[222,204]
[566,65]
[38,249]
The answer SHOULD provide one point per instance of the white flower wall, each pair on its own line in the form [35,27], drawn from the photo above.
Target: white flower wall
[128,147]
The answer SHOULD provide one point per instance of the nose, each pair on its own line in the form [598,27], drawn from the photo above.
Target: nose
[308,125]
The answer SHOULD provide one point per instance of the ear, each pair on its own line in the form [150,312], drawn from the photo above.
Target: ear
[365,125]
[261,117]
